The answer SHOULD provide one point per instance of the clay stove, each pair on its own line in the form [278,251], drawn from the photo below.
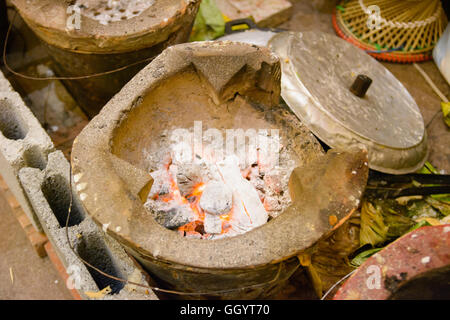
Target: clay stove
[121,162]
[86,37]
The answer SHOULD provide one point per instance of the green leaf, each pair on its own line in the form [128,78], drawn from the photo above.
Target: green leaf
[209,23]
[419,224]
[428,169]
[446,112]
[442,197]
[363,256]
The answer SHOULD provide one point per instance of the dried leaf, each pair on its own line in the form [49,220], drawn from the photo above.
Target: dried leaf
[383,220]
[373,230]
[99,294]
[443,207]
[430,221]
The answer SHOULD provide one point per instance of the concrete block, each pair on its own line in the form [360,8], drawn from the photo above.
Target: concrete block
[23,143]
[49,194]
[5,86]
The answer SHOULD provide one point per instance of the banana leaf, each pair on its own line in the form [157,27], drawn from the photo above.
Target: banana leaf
[382,220]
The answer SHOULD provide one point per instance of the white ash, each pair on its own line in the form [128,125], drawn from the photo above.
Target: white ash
[212,224]
[217,199]
[106,11]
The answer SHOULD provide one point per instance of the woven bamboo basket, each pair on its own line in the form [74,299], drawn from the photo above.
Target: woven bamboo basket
[392,30]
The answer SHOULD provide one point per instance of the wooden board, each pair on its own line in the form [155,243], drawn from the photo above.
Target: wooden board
[266,13]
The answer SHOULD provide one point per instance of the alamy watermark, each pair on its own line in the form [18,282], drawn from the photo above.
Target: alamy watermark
[74,279]
[374,277]
[73,21]
[374,18]
[211,145]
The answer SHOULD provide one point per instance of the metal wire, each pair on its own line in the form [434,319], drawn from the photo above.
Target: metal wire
[334,285]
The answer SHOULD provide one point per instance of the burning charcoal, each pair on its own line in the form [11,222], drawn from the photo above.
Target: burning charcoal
[188,176]
[273,206]
[173,216]
[162,181]
[256,180]
[268,152]
[216,198]
[273,181]
[193,235]
[212,224]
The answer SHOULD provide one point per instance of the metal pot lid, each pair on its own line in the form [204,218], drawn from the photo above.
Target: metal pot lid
[318,70]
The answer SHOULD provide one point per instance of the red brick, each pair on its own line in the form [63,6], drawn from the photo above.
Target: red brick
[23,220]
[13,203]
[38,240]
[3,185]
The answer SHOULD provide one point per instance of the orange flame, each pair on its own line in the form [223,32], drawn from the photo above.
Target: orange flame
[193,200]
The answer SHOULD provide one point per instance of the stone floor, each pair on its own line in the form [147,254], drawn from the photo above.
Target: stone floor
[35,278]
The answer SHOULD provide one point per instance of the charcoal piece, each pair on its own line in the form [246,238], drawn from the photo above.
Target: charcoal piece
[188,176]
[193,235]
[173,216]
[162,182]
[217,198]
[274,181]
